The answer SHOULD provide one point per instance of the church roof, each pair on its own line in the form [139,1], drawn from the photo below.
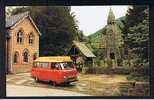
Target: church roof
[111,17]
[14,19]
[84,49]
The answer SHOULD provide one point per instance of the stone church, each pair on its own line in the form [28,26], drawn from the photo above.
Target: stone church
[22,43]
[112,43]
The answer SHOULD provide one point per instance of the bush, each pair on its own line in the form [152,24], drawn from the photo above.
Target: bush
[90,70]
[79,67]
[140,66]
[138,77]
[105,70]
[93,70]
[124,71]
[116,92]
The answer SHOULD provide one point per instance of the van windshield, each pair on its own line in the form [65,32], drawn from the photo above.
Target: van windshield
[66,65]
[62,65]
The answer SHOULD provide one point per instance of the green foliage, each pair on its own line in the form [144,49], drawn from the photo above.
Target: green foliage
[100,54]
[138,40]
[106,70]
[136,31]
[116,92]
[95,38]
[123,71]
[137,77]
[81,37]
[135,15]
[136,35]
[57,25]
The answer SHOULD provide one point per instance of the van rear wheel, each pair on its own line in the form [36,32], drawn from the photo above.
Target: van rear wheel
[53,83]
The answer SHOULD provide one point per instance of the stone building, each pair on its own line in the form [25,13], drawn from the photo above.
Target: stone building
[112,43]
[22,43]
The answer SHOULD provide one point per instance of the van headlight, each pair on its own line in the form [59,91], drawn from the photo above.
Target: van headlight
[77,77]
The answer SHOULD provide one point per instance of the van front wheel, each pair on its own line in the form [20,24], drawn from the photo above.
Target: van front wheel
[54,83]
[67,83]
[36,79]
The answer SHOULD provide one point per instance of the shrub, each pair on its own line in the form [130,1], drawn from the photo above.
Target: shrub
[121,71]
[138,77]
[105,70]
[140,66]
[116,92]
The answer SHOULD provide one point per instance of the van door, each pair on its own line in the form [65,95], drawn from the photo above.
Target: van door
[44,73]
[35,70]
[54,72]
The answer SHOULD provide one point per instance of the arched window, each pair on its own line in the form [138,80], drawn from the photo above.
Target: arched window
[15,57]
[25,56]
[30,38]
[20,37]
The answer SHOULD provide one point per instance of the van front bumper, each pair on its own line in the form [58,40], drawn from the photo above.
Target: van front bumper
[70,79]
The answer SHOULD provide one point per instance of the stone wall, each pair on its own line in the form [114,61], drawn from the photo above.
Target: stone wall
[134,88]
[13,46]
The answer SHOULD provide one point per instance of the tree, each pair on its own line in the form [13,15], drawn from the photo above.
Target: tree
[81,37]
[136,34]
[57,25]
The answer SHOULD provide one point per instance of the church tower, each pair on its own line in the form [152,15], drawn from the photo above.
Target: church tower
[113,42]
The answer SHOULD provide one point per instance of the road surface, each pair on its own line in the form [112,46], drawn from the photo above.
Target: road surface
[20,91]
[88,84]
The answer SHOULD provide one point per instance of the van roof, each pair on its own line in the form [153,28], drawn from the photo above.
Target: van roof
[54,59]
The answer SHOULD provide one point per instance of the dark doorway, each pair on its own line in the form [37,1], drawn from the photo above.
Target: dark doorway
[112,55]
[119,62]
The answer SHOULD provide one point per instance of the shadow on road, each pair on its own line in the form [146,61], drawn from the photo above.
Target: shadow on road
[58,85]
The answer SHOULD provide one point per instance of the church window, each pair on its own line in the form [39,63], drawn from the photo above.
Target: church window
[31,38]
[20,37]
[15,57]
[25,56]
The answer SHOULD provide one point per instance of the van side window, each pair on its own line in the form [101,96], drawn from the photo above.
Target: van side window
[41,65]
[55,66]
[38,65]
[44,65]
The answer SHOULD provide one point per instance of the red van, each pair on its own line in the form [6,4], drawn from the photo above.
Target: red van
[56,69]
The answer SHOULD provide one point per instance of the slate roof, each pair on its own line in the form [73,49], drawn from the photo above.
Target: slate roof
[12,20]
[84,49]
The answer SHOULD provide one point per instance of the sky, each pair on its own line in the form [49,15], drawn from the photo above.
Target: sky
[92,18]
